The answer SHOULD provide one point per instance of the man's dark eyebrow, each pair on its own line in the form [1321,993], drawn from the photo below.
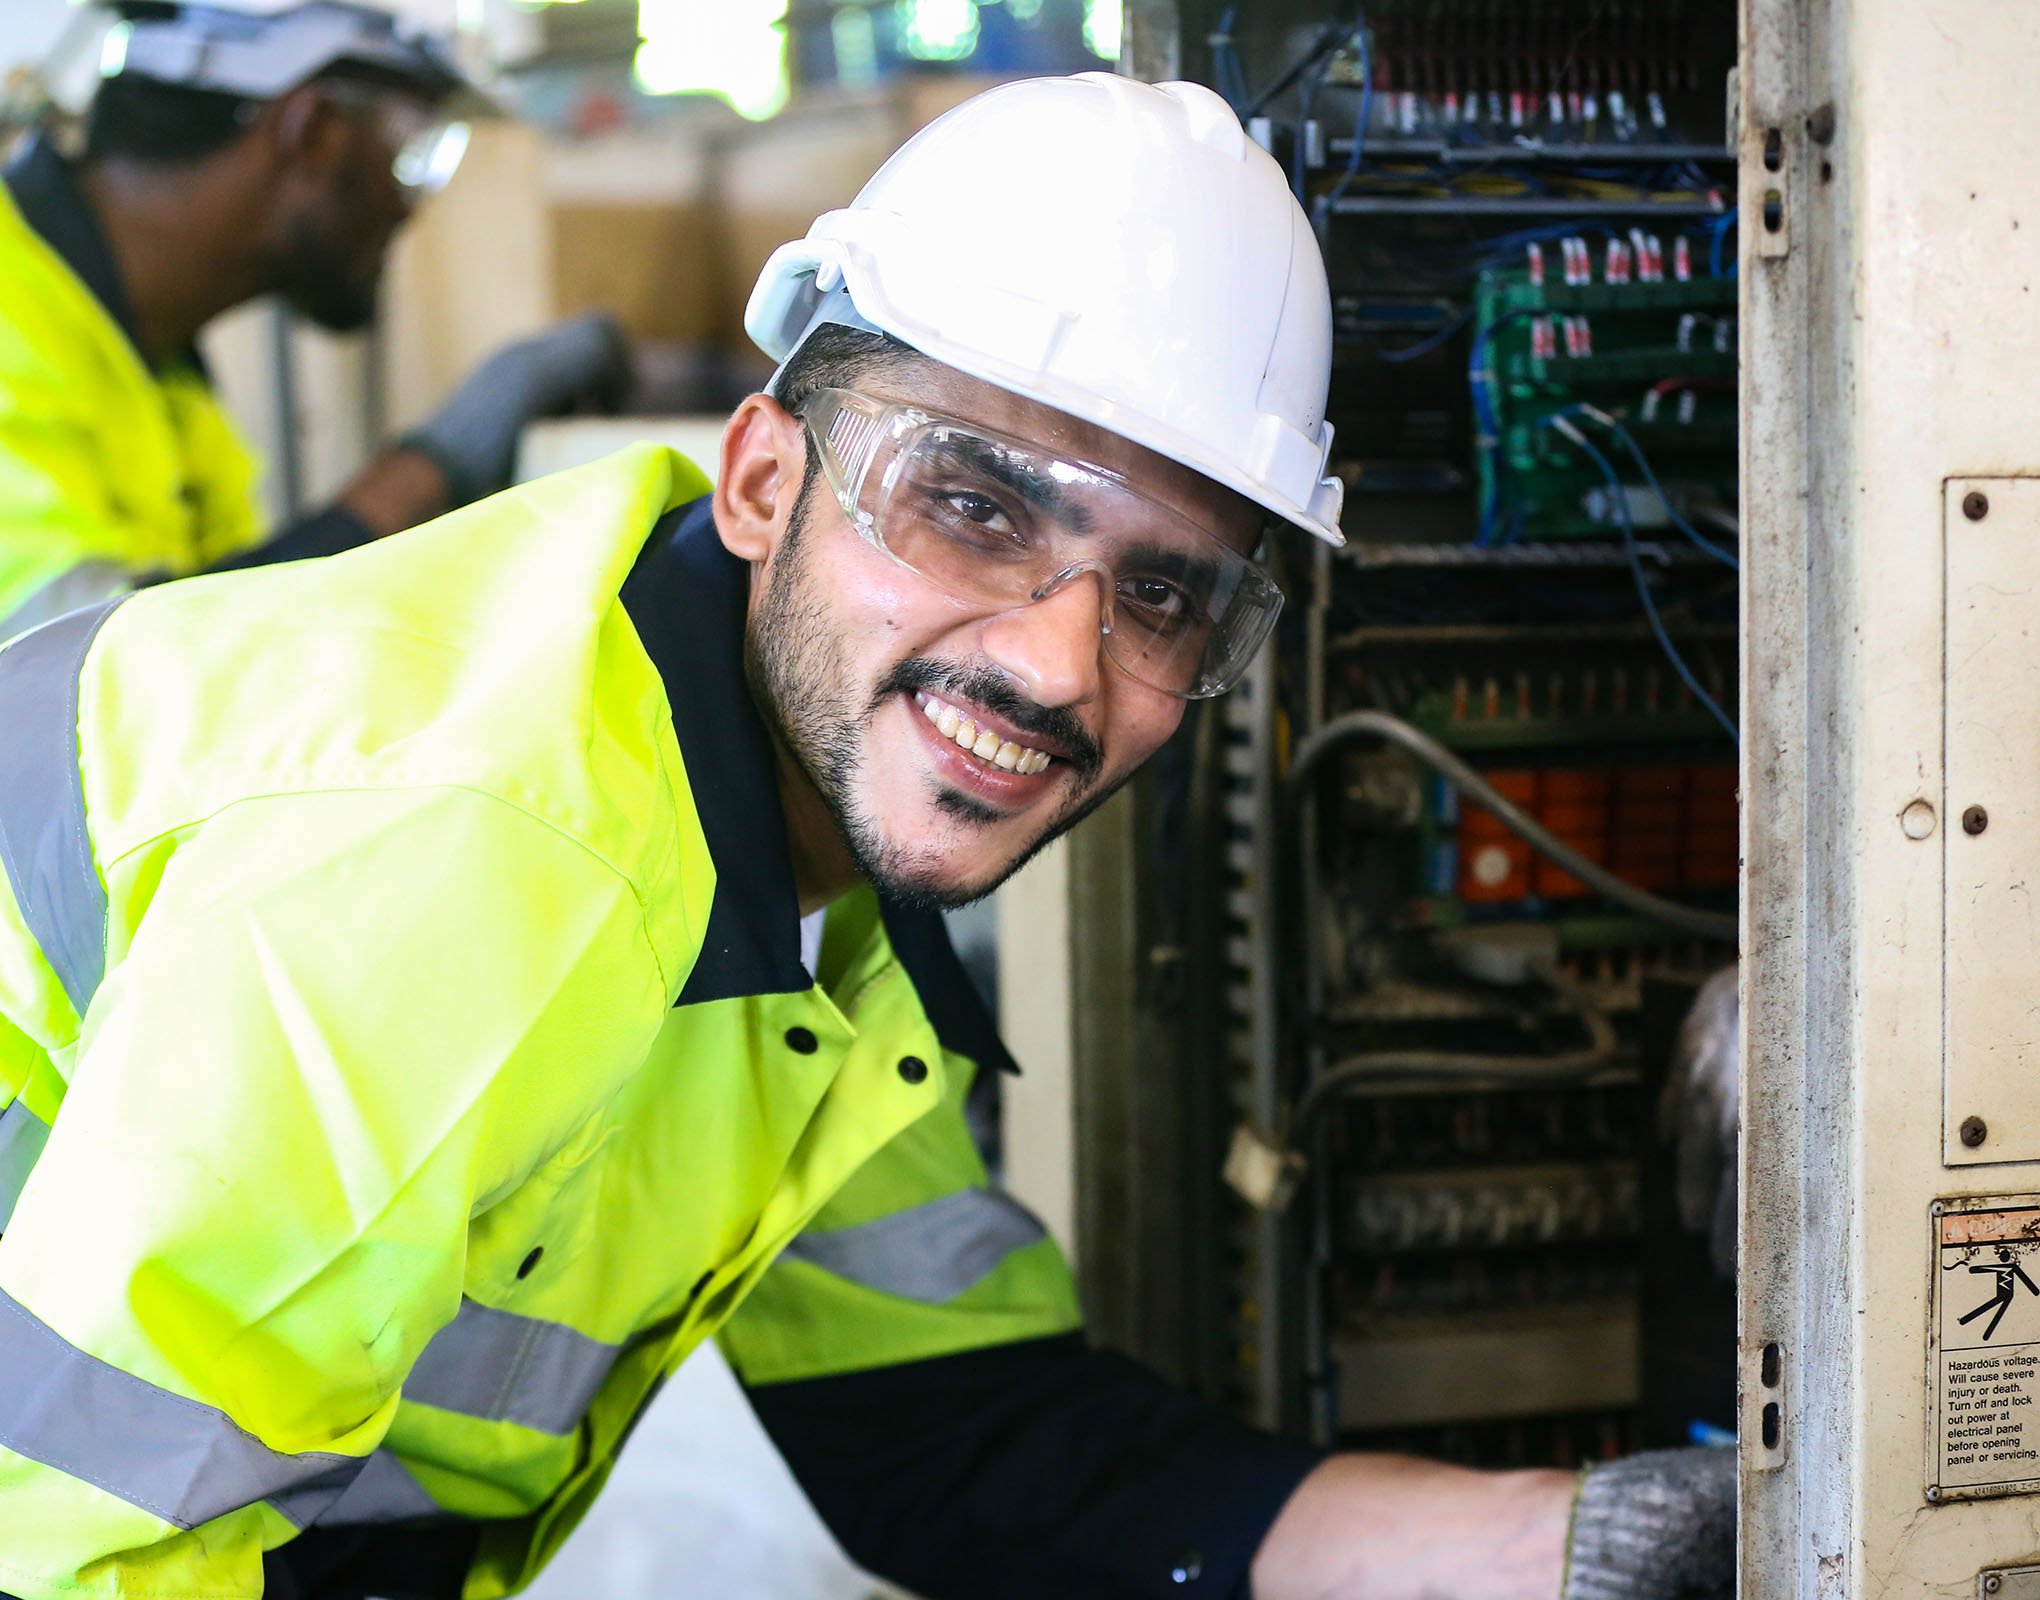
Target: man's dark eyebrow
[1037,488]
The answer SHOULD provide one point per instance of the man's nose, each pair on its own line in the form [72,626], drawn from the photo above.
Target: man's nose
[1052,645]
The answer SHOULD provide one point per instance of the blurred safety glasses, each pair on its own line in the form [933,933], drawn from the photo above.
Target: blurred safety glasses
[426,147]
[995,521]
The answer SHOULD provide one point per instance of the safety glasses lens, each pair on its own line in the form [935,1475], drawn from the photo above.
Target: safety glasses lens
[427,160]
[997,521]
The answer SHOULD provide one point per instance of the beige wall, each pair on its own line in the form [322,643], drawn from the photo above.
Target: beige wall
[472,271]
[669,227]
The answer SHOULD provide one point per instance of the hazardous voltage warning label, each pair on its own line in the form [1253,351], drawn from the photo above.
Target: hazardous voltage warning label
[1983,1378]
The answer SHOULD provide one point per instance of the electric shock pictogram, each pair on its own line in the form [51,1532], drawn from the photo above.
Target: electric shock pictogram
[2009,1275]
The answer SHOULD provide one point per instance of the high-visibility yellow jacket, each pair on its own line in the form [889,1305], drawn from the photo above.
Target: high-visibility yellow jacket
[110,472]
[407,1058]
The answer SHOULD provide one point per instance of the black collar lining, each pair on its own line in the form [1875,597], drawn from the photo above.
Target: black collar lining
[688,598]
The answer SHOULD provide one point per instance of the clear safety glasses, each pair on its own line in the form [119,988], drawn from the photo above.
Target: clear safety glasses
[426,148]
[996,521]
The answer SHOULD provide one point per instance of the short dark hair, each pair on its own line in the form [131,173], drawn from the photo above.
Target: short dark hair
[138,119]
[836,357]
[141,119]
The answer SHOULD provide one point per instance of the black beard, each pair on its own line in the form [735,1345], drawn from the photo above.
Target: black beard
[319,289]
[325,279]
[334,306]
[793,663]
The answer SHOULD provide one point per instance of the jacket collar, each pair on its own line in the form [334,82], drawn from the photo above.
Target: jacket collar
[688,598]
[51,201]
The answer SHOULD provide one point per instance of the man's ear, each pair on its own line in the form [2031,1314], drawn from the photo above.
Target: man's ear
[305,131]
[764,460]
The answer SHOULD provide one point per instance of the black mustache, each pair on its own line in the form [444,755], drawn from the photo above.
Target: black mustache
[994,690]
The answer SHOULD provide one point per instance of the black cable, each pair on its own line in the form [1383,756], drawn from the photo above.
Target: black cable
[1330,37]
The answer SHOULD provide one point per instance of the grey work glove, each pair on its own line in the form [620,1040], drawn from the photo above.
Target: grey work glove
[473,437]
[1655,1526]
[1700,1115]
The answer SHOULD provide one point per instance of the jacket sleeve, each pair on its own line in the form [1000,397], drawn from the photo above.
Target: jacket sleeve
[348,1023]
[317,533]
[1035,1468]
[70,531]
[61,533]
[915,1355]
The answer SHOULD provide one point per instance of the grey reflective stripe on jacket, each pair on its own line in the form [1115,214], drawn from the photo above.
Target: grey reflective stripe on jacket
[22,1137]
[187,1462]
[501,1367]
[43,843]
[379,1490]
[932,1252]
[175,1458]
[86,584]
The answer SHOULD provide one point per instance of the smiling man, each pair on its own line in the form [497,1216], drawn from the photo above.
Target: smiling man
[441,985]
[1031,603]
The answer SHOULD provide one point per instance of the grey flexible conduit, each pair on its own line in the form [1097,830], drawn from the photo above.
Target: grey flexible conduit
[1344,730]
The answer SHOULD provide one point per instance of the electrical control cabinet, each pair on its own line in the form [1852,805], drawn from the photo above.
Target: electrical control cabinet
[1444,1043]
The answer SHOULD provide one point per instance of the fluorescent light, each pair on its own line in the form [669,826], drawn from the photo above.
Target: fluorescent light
[939,30]
[732,48]
[1104,27]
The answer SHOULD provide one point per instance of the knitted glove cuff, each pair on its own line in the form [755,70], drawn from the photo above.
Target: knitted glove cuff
[1655,1526]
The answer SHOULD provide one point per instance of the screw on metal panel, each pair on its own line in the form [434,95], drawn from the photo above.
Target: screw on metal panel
[1975,819]
[1937,1209]
[1933,1494]
[1992,1583]
[1975,505]
[1974,1131]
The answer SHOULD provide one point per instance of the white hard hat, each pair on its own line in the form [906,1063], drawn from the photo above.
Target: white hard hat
[1118,250]
[259,49]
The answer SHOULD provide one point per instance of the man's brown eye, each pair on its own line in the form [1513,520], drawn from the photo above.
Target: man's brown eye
[1156,594]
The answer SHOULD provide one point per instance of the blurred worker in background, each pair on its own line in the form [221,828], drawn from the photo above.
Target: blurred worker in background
[229,154]
[444,984]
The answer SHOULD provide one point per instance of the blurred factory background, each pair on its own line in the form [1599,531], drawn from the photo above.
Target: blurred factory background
[658,152]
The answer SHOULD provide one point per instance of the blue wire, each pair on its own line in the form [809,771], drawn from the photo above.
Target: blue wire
[1621,499]
[1424,346]
[1477,378]
[1719,231]
[1636,454]
[1232,79]
[1490,504]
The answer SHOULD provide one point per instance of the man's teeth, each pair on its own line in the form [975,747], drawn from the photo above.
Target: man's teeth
[986,745]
